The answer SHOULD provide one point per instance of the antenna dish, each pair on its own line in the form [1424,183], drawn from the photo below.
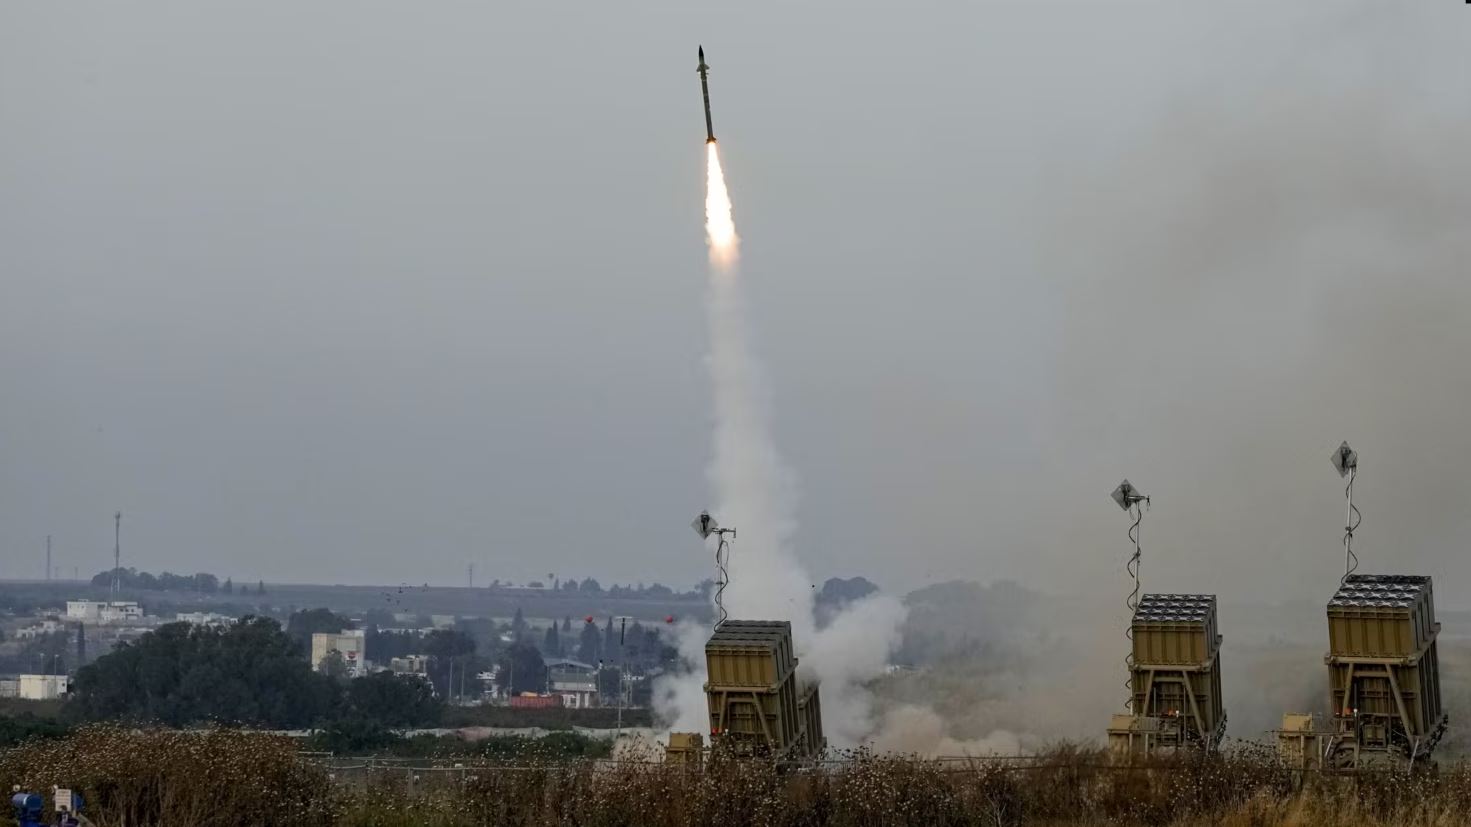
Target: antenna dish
[1126,495]
[705,525]
[1345,459]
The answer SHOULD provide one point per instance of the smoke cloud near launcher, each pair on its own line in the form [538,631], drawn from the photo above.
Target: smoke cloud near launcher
[755,491]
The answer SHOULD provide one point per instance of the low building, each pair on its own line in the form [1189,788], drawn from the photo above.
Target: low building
[98,611]
[409,665]
[9,687]
[49,626]
[41,687]
[576,683]
[203,619]
[120,612]
[351,645]
[86,610]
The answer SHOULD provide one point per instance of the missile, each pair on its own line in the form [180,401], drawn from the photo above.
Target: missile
[705,87]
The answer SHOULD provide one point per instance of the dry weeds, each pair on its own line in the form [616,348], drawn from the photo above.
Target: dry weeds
[159,777]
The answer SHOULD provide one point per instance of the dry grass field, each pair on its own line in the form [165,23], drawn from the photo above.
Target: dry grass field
[157,777]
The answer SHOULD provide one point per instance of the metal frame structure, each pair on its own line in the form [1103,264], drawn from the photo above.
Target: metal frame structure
[755,704]
[1384,671]
[1176,699]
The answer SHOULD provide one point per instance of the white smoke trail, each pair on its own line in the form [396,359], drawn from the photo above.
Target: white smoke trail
[756,493]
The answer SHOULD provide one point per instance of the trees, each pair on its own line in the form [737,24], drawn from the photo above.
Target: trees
[333,666]
[303,624]
[521,670]
[250,673]
[612,647]
[590,586]
[229,587]
[166,581]
[551,644]
[260,588]
[590,644]
[393,700]
[448,651]
[610,683]
[381,647]
[48,653]
[518,624]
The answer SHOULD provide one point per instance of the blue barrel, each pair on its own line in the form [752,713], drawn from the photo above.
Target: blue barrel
[27,805]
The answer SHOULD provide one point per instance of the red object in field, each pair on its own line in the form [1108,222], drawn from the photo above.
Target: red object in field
[588,618]
[536,701]
[669,619]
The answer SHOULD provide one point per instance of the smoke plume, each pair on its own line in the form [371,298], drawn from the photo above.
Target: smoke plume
[756,493]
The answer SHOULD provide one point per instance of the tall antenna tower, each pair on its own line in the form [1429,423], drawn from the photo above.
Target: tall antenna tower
[1346,460]
[117,554]
[470,575]
[48,558]
[705,526]
[1132,501]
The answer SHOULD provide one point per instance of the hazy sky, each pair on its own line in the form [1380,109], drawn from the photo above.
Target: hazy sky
[363,292]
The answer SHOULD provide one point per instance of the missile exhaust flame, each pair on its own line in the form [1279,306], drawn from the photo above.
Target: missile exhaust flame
[719,226]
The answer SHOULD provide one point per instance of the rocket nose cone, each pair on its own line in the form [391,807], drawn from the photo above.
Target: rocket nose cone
[702,52]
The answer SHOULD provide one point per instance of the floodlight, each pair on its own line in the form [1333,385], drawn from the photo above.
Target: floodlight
[1345,459]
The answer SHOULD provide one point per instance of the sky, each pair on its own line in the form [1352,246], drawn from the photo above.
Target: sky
[366,292]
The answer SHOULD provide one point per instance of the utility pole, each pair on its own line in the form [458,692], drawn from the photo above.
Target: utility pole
[117,553]
[470,574]
[48,558]
[622,673]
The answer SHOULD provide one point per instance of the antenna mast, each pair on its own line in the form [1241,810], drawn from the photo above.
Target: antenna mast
[48,558]
[705,526]
[1133,502]
[117,553]
[1346,460]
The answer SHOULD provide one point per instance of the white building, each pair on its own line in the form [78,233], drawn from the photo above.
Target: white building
[35,630]
[97,611]
[120,612]
[84,609]
[351,645]
[203,619]
[9,687]
[41,687]
[409,665]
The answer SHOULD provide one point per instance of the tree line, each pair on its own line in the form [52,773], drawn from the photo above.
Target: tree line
[590,587]
[202,582]
[251,673]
